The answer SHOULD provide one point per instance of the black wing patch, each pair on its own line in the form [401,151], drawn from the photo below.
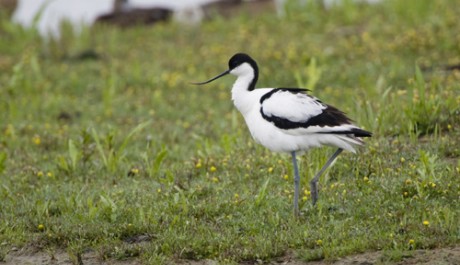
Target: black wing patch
[329,117]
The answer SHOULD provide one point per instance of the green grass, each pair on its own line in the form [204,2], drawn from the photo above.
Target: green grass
[96,152]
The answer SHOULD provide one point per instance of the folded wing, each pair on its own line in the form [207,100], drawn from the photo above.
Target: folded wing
[297,112]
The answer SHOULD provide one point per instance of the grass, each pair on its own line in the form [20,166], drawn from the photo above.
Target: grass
[99,151]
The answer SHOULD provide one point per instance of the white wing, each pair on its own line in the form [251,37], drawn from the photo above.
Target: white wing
[292,105]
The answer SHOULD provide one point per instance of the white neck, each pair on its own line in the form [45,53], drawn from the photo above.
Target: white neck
[240,93]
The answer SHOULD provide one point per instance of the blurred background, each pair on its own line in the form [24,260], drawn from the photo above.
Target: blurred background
[48,15]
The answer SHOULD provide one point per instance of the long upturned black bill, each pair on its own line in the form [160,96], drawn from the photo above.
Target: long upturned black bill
[212,79]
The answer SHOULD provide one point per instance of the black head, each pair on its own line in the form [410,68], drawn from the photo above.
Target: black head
[234,62]
[240,58]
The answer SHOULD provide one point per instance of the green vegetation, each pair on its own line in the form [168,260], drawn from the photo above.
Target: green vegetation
[103,141]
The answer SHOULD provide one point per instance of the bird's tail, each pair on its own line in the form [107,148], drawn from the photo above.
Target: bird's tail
[353,137]
[347,137]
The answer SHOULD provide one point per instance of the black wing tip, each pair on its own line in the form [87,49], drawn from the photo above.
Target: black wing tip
[361,133]
[294,89]
[356,132]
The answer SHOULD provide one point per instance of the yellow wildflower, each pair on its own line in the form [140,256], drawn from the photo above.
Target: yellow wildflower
[36,139]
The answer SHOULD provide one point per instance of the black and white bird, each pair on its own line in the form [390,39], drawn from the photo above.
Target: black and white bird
[289,119]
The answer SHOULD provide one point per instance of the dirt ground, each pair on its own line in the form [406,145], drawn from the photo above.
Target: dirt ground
[442,256]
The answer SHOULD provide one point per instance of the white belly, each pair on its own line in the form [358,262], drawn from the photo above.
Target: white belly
[273,138]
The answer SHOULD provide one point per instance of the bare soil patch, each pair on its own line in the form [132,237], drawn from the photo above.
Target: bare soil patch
[441,256]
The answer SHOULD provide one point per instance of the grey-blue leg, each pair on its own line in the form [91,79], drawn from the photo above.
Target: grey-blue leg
[296,184]
[314,181]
